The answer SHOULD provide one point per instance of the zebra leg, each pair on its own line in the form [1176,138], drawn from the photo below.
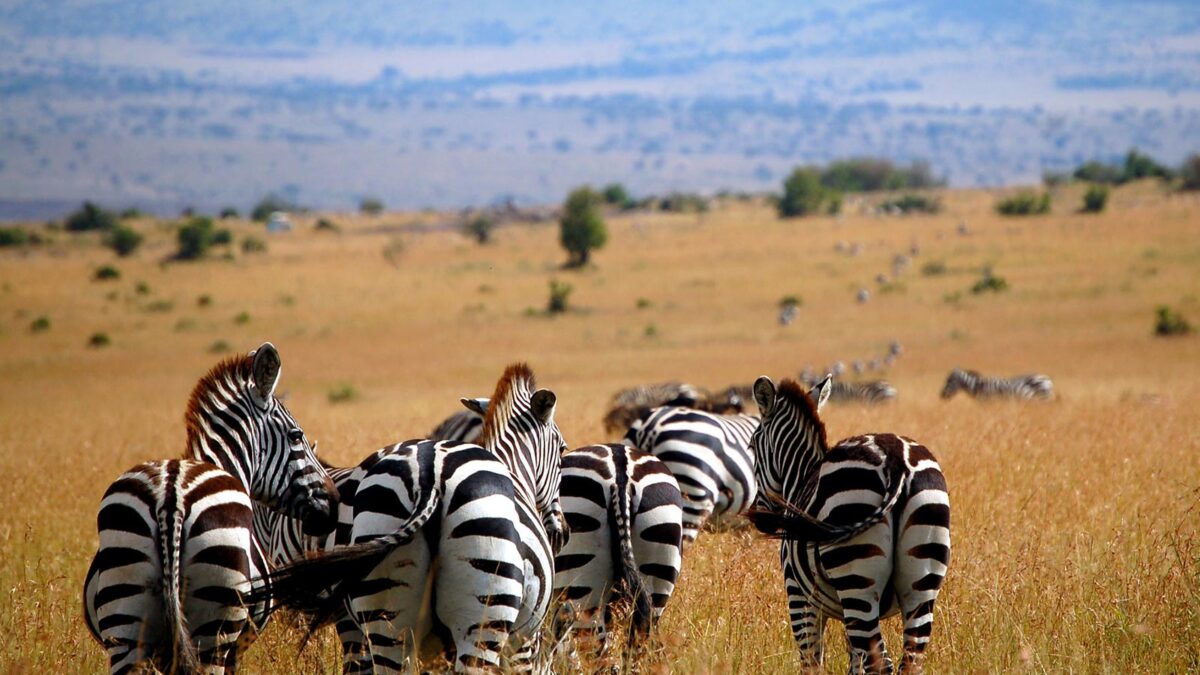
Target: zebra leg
[356,658]
[388,614]
[696,512]
[922,558]
[657,543]
[860,571]
[808,624]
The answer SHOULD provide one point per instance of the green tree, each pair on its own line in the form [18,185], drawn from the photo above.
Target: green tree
[1095,198]
[479,227]
[804,195]
[372,206]
[268,205]
[195,238]
[1139,165]
[123,240]
[91,217]
[1098,172]
[615,194]
[582,229]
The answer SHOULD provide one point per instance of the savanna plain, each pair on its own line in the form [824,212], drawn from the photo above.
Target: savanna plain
[1074,521]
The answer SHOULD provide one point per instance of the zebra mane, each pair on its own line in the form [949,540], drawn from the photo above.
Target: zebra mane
[794,393]
[517,380]
[230,376]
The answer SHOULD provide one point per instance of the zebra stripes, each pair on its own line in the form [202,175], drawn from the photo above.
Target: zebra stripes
[871,393]
[865,527]
[627,405]
[176,545]
[1032,386]
[709,456]
[624,509]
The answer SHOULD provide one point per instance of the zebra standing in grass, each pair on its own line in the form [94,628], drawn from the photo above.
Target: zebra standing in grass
[872,392]
[627,405]
[1026,387]
[865,527]
[625,514]
[451,541]
[176,536]
[709,456]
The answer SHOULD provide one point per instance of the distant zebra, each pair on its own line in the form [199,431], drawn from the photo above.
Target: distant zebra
[865,527]
[1032,386]
[872,393]
[628,405]
[709,456]
[733,399]
[176,536]
[625,514]
[464,425]
[490,522]
[788,314]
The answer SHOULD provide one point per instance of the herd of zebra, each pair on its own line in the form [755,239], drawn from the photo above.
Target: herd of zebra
[491,545]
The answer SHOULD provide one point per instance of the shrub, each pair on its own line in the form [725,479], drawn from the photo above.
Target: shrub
[933,268]
[559,292]
[253,245]
[326,225]
[804,194]
[651,330]
[791,301]
[268,205]
[616,195]
[1024,203]
[989,283]
[1168,322]
[204,301]
[196,237]
[644,303]
[227,213]
[582,229]
[867,174]
[1095,198]
[130,213]
[479,227]
[342,393]
[242,318]
[160,306]
[123,240]
[13,236]
[683,202]
[1098,172]
[99,340]
[372,206]
[1190,172]
[1055,178]
[142,288]
[219,347]
[1139,165]
[91,217]
[106,273]
[40,324]
[913,203]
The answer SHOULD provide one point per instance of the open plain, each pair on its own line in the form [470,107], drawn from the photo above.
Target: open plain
[1076,545]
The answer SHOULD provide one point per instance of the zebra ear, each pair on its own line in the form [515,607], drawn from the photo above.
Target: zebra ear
[265,371]
[820,392]
[478,406]
[543,403]
[764,394]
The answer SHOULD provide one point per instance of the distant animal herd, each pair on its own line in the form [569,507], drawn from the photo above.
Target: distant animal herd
[490,546]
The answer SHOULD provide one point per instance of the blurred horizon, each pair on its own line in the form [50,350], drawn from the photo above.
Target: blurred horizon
[453,105]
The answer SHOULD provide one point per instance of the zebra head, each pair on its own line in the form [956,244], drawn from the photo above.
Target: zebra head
[955,381]
[790,440]
[519,428]
[235,421]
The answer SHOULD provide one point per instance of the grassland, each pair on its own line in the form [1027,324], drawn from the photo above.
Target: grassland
[1075,537]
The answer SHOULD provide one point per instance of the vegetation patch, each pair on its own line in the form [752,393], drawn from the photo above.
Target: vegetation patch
[1169,322]
[1024,203]
[342,393]
[106,273]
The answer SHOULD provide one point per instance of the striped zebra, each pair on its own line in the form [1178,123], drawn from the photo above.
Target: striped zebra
[1032,386]
[871,392]
[865,527]
[464,425]
[176,545]
[627,405]
[625,514]
[479,577]
[708,455]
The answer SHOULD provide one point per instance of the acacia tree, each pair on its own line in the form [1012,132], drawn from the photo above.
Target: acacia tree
[582,227]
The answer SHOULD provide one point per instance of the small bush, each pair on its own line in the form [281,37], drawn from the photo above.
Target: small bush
[242,318]
[933,268]
[1055,178]
[204,301]
[644,303]
[222,237]
[142,288]
[160,306]
[185,324]
[40,324]
[989,283]
[791,301]
[1098,172]
[1139,165]
[106,273]
[1168,322]
[268,205]
[123,240]
[616,195]
[253,245]
[479,227]
[13,236]
[581,228]
[1095,198]
[326,225]
[913,203]
[1024,203]
[343,393]
[650,331]
[683,202]
[91,217]
[559,292]
[195,238]
[99,340]
[805,195]
[227,213]
[219,347]
[372,206]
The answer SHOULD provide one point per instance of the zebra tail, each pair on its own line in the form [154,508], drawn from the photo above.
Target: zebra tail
[795,524]
[318,586]
[621,524]
[170,542]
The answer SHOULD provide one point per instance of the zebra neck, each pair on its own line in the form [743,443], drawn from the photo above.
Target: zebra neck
[207,445]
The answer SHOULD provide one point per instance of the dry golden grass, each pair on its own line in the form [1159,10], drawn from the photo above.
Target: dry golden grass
[1074,522]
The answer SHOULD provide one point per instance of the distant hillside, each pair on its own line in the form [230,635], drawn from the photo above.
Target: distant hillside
[169,105]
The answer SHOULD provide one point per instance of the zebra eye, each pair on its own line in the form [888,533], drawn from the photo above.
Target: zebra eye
[295,436]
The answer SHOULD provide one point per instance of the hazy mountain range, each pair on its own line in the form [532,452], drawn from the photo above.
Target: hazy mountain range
[449,104]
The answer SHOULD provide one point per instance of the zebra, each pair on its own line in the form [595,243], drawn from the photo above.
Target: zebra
[865,527]
[176,537]
[708,454]
[872,392]
[624,510]
[1032,386]
[479,578]
[628,405]
[464,425]
[788,313]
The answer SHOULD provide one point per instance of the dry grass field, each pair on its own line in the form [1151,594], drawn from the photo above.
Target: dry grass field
[1076,546]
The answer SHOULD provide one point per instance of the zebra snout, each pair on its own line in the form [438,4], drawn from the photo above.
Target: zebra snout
[319,522]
